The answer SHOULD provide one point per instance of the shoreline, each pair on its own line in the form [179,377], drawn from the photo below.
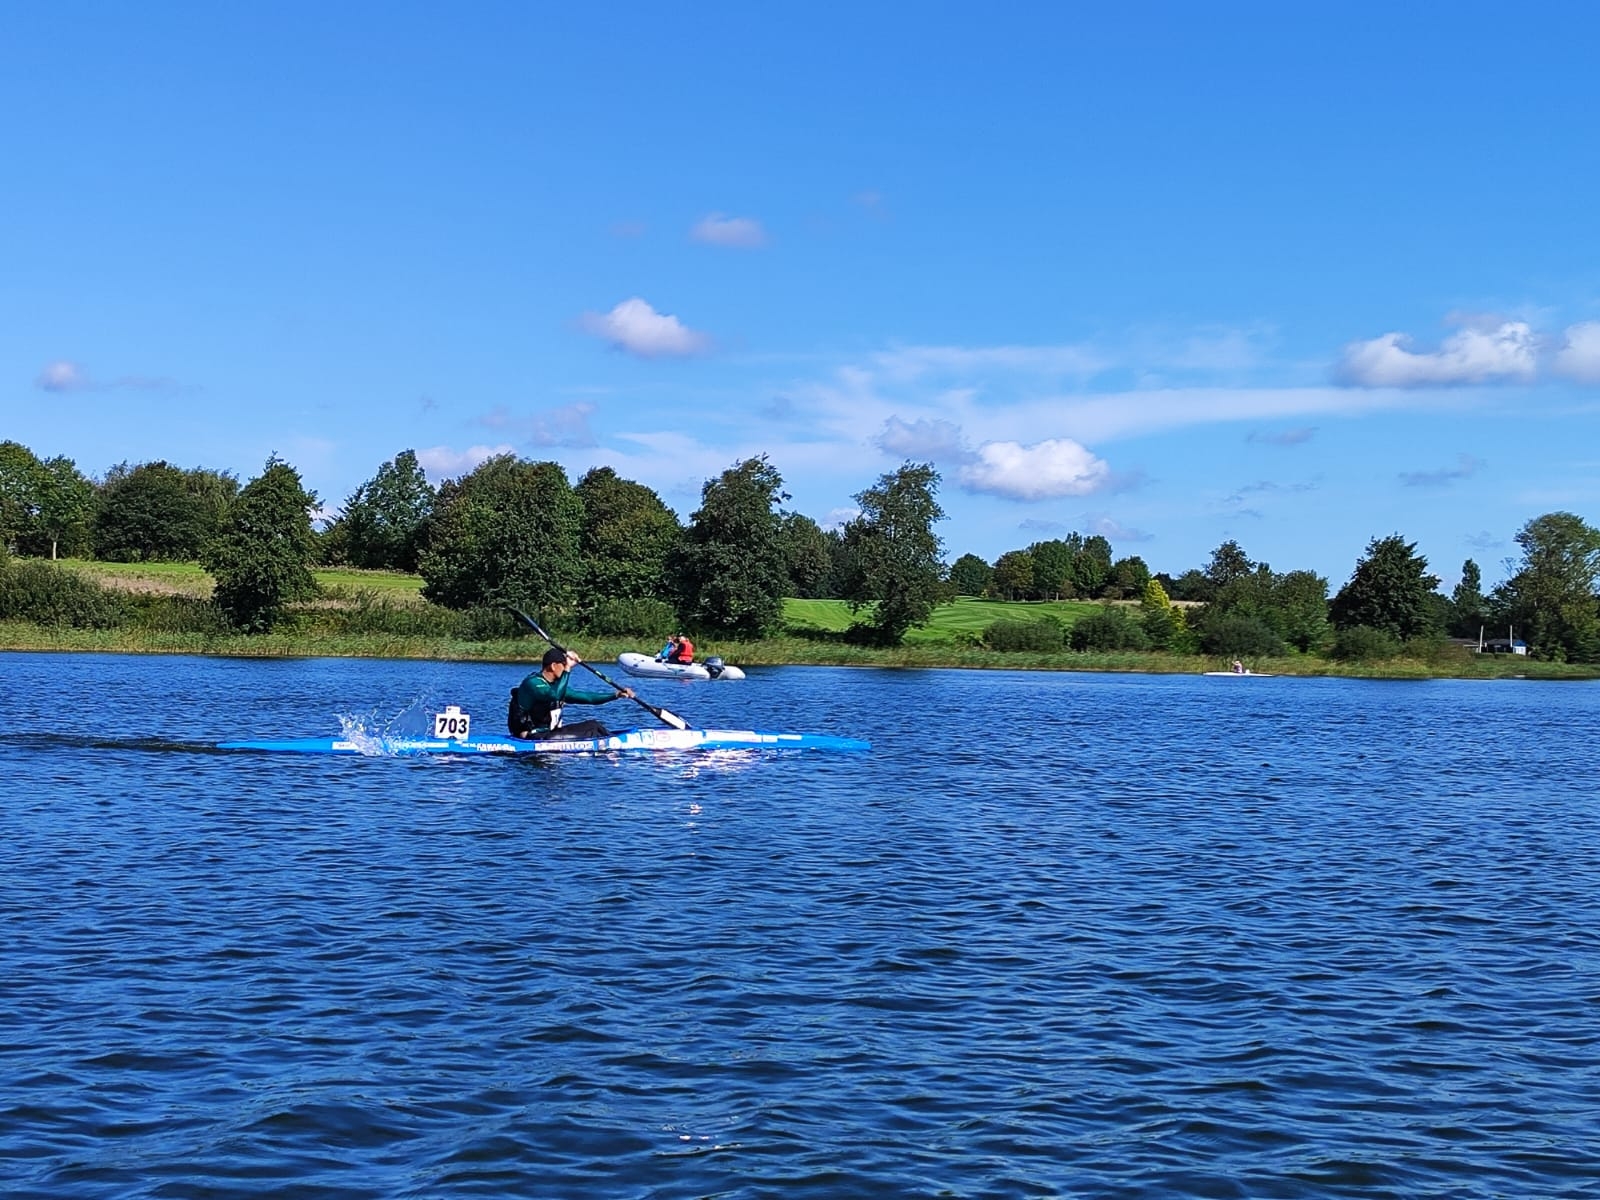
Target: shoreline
[19,637]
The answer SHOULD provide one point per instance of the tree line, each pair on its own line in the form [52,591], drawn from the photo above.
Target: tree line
[607,553]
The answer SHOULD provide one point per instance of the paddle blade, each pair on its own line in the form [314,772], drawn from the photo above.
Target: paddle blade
[672,719]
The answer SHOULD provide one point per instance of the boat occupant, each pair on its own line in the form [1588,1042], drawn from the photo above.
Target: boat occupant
[1238,667]
[666,653]
[535,710]
[685,651]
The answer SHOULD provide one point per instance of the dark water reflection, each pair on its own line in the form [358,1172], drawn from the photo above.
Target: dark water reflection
[1057,935]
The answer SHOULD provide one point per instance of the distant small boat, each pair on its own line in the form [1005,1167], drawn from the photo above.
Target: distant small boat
[1240,674]
[645,667]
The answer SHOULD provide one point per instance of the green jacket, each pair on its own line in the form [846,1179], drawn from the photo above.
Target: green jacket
[542,700]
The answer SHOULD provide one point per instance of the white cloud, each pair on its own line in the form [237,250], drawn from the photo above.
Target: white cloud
[442,462]
[62,376]
[838,518]
[741,233]
[1042,471]
[1482,353]
[1579,355]
[637,328]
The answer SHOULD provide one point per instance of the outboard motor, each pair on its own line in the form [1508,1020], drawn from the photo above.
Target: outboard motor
[714,666]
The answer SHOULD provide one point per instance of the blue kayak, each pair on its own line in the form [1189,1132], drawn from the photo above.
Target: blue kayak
[624,739]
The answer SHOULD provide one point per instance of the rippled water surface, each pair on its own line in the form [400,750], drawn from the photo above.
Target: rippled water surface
[1056,935]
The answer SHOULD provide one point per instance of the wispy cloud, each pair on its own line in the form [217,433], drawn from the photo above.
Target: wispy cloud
[636,328]
[61,376]
[64,375]
[1114,531]
[1488,351]
[1266,487]
[1286,437]
[1466,466]
[922,438]
[564,426]
[739,233]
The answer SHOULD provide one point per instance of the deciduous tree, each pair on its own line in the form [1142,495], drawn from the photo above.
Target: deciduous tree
[730,567]
[808,555]
[1551,597]
[262,558]
[385,520]
[970,575]
[156,512]
[896,552]
[507,533]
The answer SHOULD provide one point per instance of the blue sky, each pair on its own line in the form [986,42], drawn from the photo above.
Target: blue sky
[1168,272]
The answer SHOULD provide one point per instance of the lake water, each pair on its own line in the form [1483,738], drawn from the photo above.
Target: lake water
[1056,935]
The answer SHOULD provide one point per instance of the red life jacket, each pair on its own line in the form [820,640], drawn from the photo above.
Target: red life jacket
[685,651]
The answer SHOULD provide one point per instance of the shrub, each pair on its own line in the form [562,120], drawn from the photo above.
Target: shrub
[1042,634]
[1110,628]
[1362,643]
[1237,635]
[632,618]
[177,614]
[372,612]
[53,596]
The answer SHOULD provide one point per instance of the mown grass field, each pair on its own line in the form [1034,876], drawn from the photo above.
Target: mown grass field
[966,616]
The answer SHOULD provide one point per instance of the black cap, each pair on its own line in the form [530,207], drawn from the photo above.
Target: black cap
[553,655]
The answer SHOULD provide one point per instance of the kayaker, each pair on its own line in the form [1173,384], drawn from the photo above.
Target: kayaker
[535,710]
[685,652]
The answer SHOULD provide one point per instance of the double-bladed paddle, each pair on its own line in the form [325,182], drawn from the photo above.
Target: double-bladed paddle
[661,714]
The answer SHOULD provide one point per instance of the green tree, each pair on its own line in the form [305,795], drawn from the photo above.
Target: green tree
[808,556]
[1128,577]
[1468,610]
[730,567]
[385,520]
[262,558]
[1052,567]
[66,506]
[156,512]
[1091,566]
[1013,574]
[896,552]
[1228,563]
[1389,591]
[628,534]
[21,487]
[1165,625]
[1193,584]
[1551,598]
[970,575]
[507,533]
[1301,601]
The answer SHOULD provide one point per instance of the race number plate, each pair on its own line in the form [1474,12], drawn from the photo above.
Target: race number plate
[452,724]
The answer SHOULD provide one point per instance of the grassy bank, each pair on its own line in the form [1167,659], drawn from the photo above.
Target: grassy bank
[402,626]
[779,651]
